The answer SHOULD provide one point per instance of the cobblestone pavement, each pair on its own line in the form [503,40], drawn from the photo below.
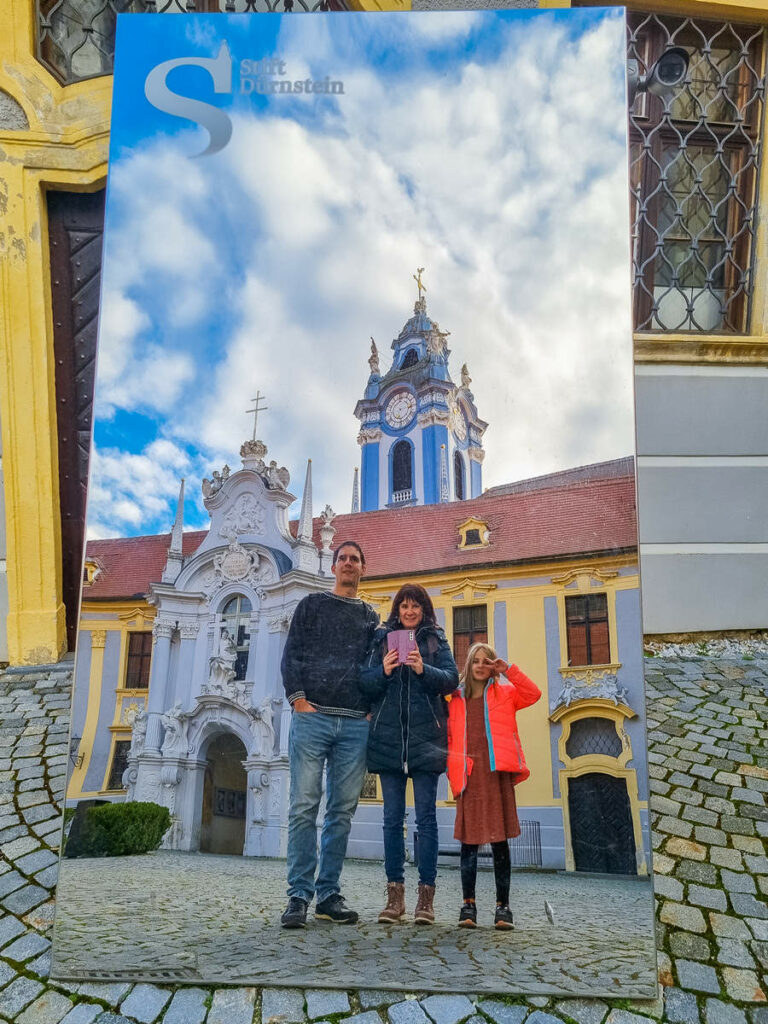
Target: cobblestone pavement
[709,768]
[602,941]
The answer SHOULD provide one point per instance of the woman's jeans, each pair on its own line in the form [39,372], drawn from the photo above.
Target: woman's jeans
[425,795]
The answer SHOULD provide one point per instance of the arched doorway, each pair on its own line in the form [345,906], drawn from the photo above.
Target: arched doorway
[225,792]
[602,834]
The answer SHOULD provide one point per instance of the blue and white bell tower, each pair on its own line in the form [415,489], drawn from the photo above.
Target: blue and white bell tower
[420,434]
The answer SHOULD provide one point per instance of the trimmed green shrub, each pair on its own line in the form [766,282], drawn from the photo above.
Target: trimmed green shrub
[117,830]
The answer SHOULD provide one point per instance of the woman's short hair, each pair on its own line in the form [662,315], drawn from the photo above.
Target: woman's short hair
[417,593]
[475,649]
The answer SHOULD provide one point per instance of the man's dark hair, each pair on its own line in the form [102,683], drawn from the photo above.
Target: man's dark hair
[417,593]
[348,544]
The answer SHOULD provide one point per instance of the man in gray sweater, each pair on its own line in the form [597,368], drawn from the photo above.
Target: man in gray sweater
[326,645]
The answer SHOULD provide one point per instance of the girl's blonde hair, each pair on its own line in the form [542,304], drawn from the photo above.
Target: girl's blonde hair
[465,678]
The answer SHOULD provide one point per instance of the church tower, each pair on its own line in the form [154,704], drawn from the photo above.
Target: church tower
[420,434]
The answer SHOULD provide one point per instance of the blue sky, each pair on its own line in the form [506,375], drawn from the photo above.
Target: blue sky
[487,147]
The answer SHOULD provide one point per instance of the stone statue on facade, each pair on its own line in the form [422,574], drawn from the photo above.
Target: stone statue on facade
[373,358]
[262,728]
[466,380]
[175,724]
[211,487]
[138,733]
[222,665]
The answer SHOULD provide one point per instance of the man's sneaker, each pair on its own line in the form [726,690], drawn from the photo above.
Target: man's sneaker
[333,908]
[295,914]
[503,918]
[468,916]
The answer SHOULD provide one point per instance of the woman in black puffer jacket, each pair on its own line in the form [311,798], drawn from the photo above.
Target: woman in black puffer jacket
[408,738]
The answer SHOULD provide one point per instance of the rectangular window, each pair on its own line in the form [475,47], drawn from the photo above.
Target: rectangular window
[693,175]
[470,626]
[586,620]
[139,659]
[119,764]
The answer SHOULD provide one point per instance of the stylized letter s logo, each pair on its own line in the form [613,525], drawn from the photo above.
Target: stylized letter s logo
[216,121]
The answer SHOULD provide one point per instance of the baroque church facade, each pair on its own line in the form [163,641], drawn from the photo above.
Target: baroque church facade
[178,694]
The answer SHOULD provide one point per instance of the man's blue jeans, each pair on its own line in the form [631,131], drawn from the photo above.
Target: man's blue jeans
[337,743]
[424,797]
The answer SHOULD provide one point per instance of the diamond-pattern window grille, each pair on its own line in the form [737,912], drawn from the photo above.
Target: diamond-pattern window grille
[76,38]
[694,160]
[593,736]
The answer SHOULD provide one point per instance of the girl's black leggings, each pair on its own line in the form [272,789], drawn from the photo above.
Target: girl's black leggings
[501,869]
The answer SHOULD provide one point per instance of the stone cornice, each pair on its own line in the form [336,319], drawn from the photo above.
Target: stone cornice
[733,350]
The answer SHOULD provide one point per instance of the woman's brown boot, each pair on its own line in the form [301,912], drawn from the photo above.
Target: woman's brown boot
[424,914]
[395,907]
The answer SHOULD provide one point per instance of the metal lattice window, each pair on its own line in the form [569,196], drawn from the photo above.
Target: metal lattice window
[593,736]
[236,616]
[76,38]
[693,175]
[119,764]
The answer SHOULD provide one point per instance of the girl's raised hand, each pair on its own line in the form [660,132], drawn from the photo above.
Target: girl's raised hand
[497,667]
[389,662]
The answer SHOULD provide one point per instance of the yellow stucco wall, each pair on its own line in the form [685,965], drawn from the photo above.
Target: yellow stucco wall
[65,147]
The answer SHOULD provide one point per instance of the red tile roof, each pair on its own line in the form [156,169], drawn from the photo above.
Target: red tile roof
[567,520]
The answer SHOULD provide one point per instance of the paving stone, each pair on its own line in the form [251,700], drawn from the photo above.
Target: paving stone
[48,877]
[82,1013]
[448,1009]
[618,1017]
[376,997]
[369,1017]
[41,917]
[734,953]
[748,906]
[36,861]
[18,995]
[325,1002]
[6,973]
[670,888]
[41,966]
[688,946]
[694,871]
[757,865]
[680,1007]
[685,848]
[748,844]
[10,928]
[726,858]
[539,1017]
[110,993]
[758,927]
[583,1011]
[282,1006]
[680,916]
[743,986]
[728,927]
[28,946]
[409,1012]
[718,1012]
[507,1013]
[145,1002]
[663,865]
[737,881]
[10,881]
[187,1007]
[49,1008]
[41,812]
[22,900]
[112,1018]
[705,896]
[697,977]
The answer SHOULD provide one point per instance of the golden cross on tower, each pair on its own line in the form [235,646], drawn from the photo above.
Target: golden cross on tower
[417,279]
[256,410]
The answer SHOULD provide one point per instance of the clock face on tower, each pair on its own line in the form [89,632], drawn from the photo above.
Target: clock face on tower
[401,409]
[456,418]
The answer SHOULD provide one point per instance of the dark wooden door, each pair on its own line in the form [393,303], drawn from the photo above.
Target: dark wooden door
[75,228]
[602,836]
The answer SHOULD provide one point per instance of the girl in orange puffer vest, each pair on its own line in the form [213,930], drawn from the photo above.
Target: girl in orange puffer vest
[485,763]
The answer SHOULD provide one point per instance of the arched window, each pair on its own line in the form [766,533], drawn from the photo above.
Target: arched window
[411,357]
[237,621]
[401,472]
[458,475]
[593,736]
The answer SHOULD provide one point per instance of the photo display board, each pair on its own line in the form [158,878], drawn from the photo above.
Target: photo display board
[366,278]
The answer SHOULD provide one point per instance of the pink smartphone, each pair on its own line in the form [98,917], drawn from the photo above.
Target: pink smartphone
[403,641]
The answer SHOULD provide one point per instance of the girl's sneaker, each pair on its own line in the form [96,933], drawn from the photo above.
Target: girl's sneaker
[468,916]
[503,918]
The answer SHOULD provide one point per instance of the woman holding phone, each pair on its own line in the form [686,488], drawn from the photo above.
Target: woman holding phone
[408,672]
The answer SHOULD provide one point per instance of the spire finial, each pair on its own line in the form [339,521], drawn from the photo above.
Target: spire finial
[178,524]
[305,519]
[355,492]
[417,279]
[257,408]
